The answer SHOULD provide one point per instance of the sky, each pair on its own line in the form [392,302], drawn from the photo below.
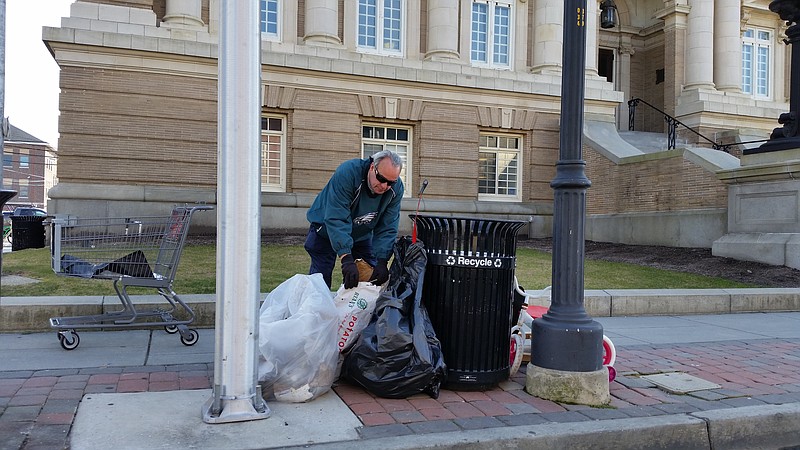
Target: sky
[31,85]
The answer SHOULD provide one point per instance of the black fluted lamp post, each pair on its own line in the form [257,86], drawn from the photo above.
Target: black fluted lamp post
[788,136]
[567,345]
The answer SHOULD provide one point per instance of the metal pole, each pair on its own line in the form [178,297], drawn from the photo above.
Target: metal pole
[566,338]
[236,395]
[2,85]
[4,194]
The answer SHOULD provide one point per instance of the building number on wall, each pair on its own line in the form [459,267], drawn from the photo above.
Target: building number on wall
[581,13]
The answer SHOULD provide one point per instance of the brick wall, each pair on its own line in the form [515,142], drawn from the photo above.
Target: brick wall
[135,127]
[666,184]
[644,65]
[33,174]
[544,146]
[326,131]
[448,154]
[154,129]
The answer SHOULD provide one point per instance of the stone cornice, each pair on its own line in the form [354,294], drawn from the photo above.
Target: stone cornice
[672,9]
[780,170]
[299,66]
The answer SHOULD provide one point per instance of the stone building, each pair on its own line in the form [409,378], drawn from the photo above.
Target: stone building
[468,92]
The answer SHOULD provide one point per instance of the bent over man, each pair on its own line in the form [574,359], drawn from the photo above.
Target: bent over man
[356,216]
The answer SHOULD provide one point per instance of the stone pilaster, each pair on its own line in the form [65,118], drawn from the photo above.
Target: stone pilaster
[675,23]
[623,74]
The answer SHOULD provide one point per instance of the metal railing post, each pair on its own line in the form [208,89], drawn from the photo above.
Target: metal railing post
[632,103]
[672,126]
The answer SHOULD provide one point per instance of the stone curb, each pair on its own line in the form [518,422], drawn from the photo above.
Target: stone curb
[772,426]
[769,426]
[29,314]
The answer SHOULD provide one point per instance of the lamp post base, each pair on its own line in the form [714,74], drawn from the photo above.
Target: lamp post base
[775,145]
[236,410]
[582,388]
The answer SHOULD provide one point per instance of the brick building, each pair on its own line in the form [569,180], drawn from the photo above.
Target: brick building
[29,168]
[467,91]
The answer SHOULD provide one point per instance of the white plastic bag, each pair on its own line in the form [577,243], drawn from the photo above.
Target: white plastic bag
[297,340]
[355,307]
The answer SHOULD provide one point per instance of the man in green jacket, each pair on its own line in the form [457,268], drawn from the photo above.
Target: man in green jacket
[356,216]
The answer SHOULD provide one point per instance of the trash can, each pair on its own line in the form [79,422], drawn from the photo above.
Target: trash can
[27,232]
[468,292]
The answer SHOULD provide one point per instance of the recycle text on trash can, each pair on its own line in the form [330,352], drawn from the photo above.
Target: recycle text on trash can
[468,292]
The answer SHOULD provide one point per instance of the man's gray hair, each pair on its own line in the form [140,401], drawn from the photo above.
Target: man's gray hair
[396,160]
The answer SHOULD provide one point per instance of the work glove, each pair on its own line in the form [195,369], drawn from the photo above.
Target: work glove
[381,273]
[349,272]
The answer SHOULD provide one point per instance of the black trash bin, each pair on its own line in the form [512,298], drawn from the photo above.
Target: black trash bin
[27,232]
[468,292]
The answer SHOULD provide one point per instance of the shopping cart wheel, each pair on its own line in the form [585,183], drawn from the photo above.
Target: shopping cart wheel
[190,337]
[171,329]
[69,339]
[515,360]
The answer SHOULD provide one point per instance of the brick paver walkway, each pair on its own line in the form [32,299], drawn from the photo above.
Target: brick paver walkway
[37,408]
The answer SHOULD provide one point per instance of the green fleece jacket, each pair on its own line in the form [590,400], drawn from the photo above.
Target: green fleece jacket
[346,211]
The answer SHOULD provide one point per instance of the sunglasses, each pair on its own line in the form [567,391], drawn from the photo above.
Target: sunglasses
[381,178]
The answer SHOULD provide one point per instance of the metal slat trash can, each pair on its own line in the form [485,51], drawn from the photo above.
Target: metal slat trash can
[468,292]
[27,232]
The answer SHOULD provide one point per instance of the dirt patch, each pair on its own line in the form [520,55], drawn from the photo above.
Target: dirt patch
[692,260]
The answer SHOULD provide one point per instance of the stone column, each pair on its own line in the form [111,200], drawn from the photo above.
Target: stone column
[700,45]
[322,21]
[727,46]
[592,27]
[548,30]
[184,12]
[442,30]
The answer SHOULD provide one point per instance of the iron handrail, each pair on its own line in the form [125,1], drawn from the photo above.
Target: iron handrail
[672,125]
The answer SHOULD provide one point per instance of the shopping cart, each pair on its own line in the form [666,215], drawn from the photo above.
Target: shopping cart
[521,332]
[141,253]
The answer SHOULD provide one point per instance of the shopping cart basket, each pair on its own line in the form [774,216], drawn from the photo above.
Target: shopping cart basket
[142,252]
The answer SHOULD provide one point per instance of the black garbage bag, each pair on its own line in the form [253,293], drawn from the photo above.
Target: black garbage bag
[75,266]
[398,354]
[133,265]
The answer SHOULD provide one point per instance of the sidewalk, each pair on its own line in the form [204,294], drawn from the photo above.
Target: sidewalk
[144,389]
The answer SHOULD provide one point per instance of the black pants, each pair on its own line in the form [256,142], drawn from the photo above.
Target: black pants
[323,258]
